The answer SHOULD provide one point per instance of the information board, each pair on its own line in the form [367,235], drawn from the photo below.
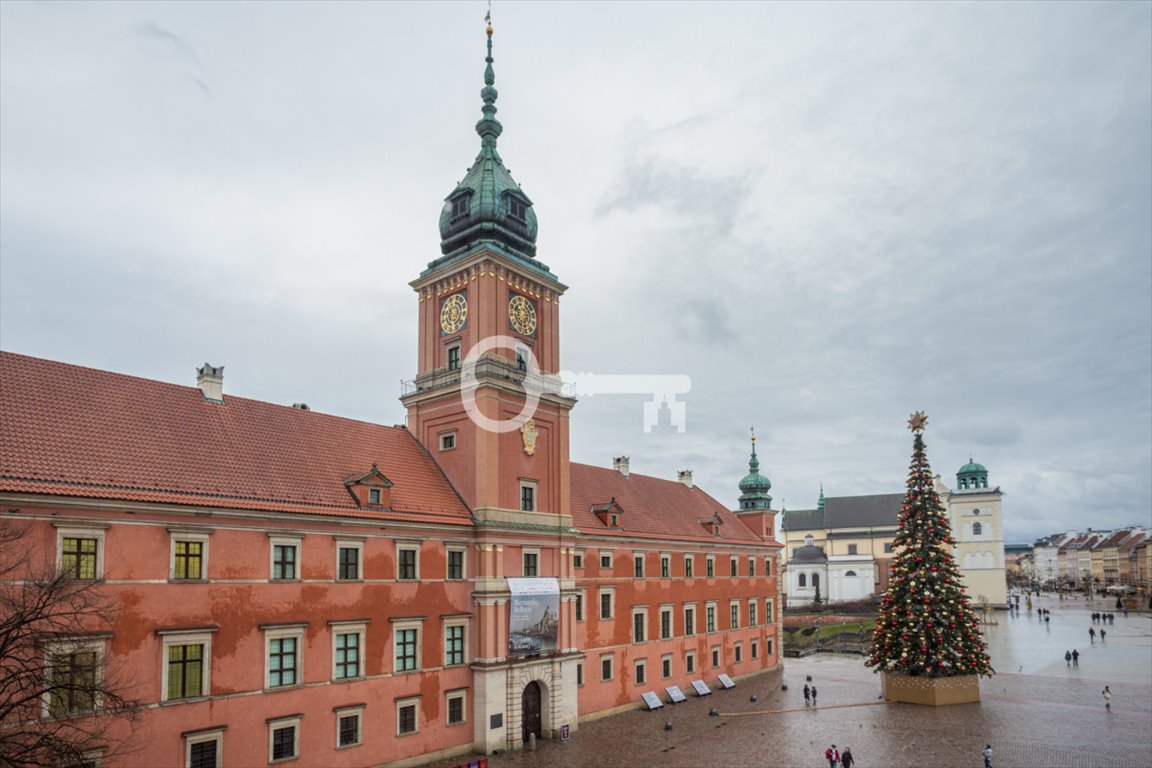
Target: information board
[701,687]
[726,681]
[676,694]
[652,700]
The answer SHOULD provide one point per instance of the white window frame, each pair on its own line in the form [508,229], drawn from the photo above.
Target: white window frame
[285,722]
[666,663]
[359,628]
[403,624]
[410,701]
[452,623]
[282,633]
[285,541]
[734,567]
[611,659]
[578,559]
[738,652]
[665,565]
[767,567]
[445,437]
[710,567]
[751,567]
[734,614]
[72,645]
[716,656]
[667,610]
[351,544]
[535,486]
[192,637]
[449,697]
[695,620]
[408,546]
[710,613]
[769,612]
[753,649]
[611,592]
[81,532]
[641,559]
[689,566]
[187,536]
[200,737]
[342,712]
[753,618]
[524,553]
[690,662]
[463,551]
[640,670]
[580,679]
[581,600]
[606,553]
[641,611]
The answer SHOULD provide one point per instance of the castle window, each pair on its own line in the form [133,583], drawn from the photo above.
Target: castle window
[454,357]
[849,574]
[816,580]
[803,580]
[460,206]
[517,209]
[977,529]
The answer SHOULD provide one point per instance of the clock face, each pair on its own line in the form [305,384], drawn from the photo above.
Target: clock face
[522,315]
[453,313]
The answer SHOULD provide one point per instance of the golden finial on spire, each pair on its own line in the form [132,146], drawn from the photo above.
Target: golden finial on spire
[488,18]
[753,429]
[918,421]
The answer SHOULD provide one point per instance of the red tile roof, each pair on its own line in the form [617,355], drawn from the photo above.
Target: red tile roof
[76,431]
[652,508]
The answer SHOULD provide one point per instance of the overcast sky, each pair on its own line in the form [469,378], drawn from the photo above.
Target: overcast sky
[828,215]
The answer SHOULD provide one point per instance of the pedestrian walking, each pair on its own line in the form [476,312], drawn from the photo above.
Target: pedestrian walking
[846,758]
[832,756]
[813,695]
[1047,619]
[1103,634]
[1092,634]
[807,694]
[1068,658]
[987,752]
[1107,693]
[1075,657]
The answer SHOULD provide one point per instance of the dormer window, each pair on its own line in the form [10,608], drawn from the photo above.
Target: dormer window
[460,207]
[610,514]
[372,489]
[517,209]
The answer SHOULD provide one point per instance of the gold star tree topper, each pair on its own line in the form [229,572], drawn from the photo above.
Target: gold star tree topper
[918,421]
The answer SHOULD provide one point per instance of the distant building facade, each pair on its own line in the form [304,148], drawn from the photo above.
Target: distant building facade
[844,545]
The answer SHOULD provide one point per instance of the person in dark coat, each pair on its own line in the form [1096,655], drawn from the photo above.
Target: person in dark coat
[846,758]
[807,694]
[1075,657]
[813,695]
[1067,658]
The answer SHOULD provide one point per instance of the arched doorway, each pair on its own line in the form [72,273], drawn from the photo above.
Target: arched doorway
[531,709]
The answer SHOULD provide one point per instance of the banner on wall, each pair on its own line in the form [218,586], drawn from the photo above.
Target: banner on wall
[534,619]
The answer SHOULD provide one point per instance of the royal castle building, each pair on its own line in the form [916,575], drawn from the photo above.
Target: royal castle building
[292,585]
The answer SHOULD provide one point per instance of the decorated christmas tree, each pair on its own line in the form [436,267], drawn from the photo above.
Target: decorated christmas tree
[926,625]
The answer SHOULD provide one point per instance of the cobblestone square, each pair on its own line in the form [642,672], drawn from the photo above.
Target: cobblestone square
[1036,711]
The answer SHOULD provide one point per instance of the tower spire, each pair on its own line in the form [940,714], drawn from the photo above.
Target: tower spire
[755,486]
[489,127]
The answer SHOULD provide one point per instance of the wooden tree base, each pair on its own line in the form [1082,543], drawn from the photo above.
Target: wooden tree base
[931,691]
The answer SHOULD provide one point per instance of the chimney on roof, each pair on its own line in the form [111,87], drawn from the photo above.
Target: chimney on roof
[301,406]
[685,476]
[210,380]
[620,464]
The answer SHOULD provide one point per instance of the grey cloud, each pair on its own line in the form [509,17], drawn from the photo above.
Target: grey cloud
[164,43]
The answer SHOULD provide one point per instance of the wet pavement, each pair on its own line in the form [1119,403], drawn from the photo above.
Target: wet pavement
[1036,711]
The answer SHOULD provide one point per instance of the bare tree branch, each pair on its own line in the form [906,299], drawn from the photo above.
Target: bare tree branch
[60,695]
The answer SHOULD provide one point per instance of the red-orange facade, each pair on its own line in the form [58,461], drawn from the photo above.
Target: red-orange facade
[290,585]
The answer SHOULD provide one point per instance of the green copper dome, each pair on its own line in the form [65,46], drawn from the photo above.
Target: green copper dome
[972,475]
[487,207]
[755,486]
[971,466]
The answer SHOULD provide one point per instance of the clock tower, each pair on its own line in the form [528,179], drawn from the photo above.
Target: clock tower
[485,401]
